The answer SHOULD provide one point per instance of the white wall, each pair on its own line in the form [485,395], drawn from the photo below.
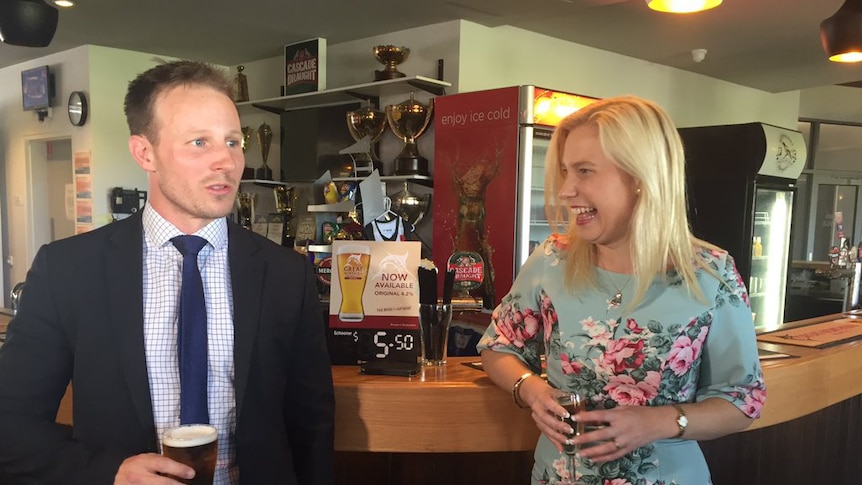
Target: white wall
[18,128]
[832,103]
[103,73]
[508,56]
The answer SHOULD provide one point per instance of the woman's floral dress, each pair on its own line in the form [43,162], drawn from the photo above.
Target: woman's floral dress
[671,348]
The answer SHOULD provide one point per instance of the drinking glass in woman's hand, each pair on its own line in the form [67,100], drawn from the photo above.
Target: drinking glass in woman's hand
[573,404]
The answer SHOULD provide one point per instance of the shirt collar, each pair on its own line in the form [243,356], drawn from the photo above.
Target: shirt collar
[159,231]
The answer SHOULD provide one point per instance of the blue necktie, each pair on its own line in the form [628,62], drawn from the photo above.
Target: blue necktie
[192,335]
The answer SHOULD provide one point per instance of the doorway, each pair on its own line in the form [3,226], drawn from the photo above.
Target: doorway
[52,191]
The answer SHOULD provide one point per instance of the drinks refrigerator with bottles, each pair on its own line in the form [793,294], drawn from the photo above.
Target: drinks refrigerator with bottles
[489,154]
[741,182]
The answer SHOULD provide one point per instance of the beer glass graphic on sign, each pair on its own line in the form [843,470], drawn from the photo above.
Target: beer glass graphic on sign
[353,261]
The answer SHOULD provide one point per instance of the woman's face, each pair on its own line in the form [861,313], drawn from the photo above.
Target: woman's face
[600,195]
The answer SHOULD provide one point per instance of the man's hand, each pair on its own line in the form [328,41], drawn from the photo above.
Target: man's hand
[150,469]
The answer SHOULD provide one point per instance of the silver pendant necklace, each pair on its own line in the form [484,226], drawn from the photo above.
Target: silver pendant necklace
[617,299]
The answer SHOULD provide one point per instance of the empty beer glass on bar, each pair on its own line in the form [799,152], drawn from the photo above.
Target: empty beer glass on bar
[195,445]
[434,320]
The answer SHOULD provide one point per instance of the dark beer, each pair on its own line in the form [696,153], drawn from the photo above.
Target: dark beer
[195,445]
[573,408]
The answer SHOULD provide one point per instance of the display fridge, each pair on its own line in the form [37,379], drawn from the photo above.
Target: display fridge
[489,154]
[741,181]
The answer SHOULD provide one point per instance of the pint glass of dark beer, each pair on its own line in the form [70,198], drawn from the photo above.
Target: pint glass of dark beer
[195,445]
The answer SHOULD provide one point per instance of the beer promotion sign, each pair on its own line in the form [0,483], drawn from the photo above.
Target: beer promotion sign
[374,302]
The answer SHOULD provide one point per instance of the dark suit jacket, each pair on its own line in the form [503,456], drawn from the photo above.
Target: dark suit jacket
[81,319]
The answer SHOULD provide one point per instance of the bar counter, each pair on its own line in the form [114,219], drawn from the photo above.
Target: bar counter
[452,425]
[456,408]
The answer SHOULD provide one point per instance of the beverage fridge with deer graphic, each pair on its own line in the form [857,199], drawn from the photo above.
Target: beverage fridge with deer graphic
[489,156]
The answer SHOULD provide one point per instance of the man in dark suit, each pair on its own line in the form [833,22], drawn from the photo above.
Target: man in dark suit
[100,310]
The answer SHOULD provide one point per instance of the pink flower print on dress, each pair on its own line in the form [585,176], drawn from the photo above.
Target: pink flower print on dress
[633,326]
[628,392]
[681,355]
[623,354]
[516,326]
[570,366]
[549,315]
[754,403]
[617,481]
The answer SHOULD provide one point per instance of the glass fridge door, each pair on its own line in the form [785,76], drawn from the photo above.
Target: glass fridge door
[770,247]
[534,226]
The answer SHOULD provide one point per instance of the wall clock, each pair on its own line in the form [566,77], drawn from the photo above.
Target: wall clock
[78,108]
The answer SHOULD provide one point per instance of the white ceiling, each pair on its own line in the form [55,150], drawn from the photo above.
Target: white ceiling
[773,45]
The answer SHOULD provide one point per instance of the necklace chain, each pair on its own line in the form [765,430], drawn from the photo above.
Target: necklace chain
[617,299]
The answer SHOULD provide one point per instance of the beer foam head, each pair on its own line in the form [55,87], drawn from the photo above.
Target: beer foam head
[189,435]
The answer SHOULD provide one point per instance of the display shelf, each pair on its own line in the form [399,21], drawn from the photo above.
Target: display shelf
[265,183]
[343,206]
[319,248]
[423,180]
[347,94]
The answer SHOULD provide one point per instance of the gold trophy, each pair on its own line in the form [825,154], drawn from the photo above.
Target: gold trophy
[246,202]
[408,120]
[390,56]
[248,172]
[366,123]
[285,202]
[246,135]
[264,140]
[240,85]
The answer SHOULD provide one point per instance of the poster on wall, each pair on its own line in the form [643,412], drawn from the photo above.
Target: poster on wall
[374,301]
[82,163]
[83,192]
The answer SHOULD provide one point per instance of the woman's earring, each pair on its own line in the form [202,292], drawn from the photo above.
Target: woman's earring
[638,191]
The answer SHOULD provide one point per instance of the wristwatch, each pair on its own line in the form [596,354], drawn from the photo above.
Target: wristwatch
[681,420]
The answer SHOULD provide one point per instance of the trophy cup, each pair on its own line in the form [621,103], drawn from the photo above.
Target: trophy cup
[285,200]
[264,139]
[245,202]
[247,172]
[408,120]
[366,123]
[246,135]
[390,56]
[409,206]
[240,85]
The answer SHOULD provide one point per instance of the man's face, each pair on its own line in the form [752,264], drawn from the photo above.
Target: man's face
[197,161]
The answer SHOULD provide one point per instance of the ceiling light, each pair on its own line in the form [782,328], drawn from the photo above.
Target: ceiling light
[841,34]
[682,6]
[64,3]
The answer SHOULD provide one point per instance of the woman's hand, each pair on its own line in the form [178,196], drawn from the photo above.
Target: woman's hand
[626,428]
[547,413]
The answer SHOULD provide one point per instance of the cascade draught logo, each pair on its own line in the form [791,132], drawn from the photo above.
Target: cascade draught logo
[302,69]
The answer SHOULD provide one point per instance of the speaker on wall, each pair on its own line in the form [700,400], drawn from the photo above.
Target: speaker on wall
[29,23]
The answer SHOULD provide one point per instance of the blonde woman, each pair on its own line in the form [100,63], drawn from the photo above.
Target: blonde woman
[650,324]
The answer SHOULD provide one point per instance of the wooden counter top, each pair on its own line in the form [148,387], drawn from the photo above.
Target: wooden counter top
[4,321]
[453,408]
[458,409]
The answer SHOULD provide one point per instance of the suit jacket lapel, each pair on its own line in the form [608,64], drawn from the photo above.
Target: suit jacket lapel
[247,277]
[124,274]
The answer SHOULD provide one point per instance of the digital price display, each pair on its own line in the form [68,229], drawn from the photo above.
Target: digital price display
[352,346]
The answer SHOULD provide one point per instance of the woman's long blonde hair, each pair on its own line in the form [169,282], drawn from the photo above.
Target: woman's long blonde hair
[640,137]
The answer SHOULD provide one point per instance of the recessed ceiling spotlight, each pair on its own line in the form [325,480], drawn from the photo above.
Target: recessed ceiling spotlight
[64,3]
[682,6]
